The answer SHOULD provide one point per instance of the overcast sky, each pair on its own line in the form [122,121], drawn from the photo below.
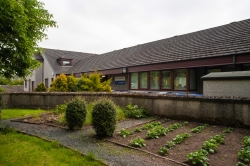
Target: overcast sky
[100,26]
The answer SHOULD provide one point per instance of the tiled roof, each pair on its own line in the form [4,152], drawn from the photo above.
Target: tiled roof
[230,39]
[233,38]
[53,56]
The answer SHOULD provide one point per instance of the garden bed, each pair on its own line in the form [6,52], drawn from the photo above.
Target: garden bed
[226,154]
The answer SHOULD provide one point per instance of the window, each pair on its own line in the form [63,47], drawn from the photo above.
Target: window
[166,80]
[66,63]
[46,82]
[144,80]
[192,79]
[134,81]
[180,77]
[154,80]
[25,83]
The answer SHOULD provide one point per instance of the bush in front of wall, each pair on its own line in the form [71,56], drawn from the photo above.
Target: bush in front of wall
[104,117]
[133,111]
[93,83]
[59,84]
[76,112]
[71,82]
[41,88]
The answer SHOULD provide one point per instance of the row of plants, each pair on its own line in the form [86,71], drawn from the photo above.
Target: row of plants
[159,130]
[199,128]
[155,129]
[125,132]
[200,157]
[178,139]
[244,153]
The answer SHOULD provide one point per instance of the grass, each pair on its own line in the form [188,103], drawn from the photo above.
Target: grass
[20,149]
[17,113]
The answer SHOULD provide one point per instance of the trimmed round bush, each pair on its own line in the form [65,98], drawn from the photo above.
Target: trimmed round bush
[104,117]
[76,112]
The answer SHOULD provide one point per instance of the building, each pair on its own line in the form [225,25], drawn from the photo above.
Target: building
[174,64]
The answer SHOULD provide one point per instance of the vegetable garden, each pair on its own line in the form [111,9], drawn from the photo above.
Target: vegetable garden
[190,143]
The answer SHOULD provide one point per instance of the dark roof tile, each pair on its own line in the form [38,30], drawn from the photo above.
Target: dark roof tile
[233,38]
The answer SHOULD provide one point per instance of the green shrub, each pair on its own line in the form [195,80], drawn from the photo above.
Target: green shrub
[104,117]
[1,106]
[93,83]
[40,88]
[11,81]
[133,111]
[76,113]
[2,89]
[71,83]
[59,84]
[60,108]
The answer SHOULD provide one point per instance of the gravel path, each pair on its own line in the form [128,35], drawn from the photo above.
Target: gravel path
[85,142]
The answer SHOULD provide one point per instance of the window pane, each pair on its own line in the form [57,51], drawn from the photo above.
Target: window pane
[192,75]
[134,81]
[166,80]
[154,80]
[180,79]
[144,80]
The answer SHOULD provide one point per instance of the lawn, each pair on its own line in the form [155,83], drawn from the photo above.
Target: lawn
[17,113]
[20,149]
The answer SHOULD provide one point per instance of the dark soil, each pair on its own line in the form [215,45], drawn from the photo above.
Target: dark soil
[226,154]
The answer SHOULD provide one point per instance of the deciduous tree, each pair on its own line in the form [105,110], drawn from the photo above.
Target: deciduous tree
[22,25]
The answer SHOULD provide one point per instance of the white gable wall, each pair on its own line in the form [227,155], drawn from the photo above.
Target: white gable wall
[49,73]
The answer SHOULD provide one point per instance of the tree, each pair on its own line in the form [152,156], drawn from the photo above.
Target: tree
[22,25]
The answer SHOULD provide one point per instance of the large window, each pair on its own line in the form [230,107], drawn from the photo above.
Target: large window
[180,77]
[179,80]
[154,79]
[134,80]
[166,80]
[144,80]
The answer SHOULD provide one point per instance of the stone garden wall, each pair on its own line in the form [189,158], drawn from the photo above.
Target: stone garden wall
[214,110]
[12,88]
